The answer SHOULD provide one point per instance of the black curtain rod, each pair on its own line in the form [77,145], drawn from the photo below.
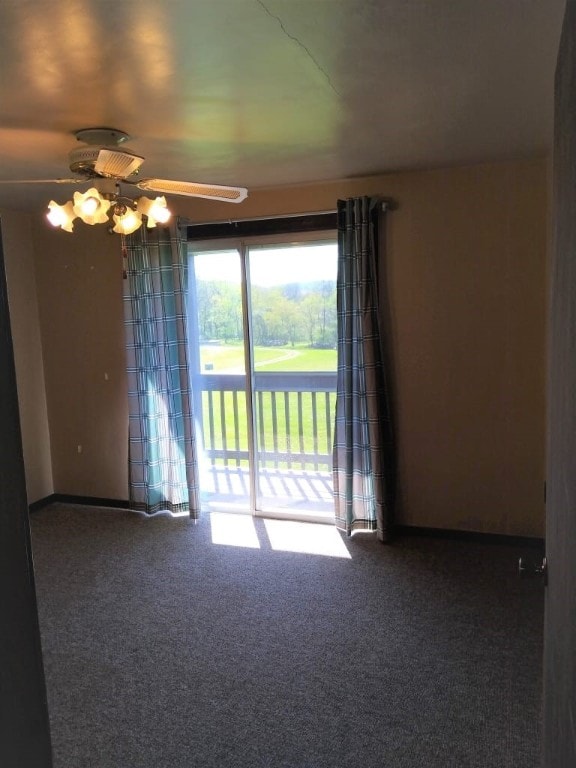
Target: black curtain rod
[270,225]
[386,206]
[263,218]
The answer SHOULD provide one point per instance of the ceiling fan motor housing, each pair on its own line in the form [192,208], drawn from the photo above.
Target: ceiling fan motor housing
[100,155]
[104,161]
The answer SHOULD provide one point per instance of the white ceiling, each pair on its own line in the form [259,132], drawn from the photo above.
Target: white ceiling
[272,92]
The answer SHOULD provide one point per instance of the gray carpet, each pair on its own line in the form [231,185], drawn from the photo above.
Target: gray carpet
[165,650]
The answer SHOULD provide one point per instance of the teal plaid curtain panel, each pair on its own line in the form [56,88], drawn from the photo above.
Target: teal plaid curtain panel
[163,473]
[364,451]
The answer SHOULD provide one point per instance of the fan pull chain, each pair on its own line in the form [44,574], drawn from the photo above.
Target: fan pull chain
[124,256]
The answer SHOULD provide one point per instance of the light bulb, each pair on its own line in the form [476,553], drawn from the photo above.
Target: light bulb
[89,206]
[159,211]
[155,210]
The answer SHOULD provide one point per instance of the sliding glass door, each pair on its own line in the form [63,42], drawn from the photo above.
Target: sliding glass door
[262,321]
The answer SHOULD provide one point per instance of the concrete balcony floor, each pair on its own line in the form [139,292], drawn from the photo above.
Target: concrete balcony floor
[290,492]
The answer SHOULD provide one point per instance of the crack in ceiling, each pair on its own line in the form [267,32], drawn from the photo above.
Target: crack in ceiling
[301,44]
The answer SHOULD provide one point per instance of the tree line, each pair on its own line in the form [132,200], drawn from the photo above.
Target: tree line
[293,313]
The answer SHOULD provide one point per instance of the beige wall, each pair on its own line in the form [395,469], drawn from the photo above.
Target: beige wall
[21,282]
[466,269]
[80,300]
[468,289]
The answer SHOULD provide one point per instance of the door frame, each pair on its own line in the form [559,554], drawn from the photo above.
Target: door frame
[559,694]
[24,724]
[242,246]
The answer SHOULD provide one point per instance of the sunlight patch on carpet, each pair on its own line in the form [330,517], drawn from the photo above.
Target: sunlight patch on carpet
[307,538]
[233,530]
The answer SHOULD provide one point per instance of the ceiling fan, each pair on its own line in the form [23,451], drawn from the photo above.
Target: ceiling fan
[104,163]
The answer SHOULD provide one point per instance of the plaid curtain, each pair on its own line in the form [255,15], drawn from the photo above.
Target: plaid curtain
[163,471]
[364,452]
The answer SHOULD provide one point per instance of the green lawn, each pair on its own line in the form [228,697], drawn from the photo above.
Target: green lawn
[230,358]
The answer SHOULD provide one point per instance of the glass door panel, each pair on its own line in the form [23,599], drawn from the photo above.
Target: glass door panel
[292,290]
[218,363]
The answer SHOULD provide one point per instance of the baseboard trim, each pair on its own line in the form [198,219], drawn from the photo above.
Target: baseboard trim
[86,501]
[41,503]
[533,542]
[92,501]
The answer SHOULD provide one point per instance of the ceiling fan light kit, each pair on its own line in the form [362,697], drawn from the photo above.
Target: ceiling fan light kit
[104,164]
[95,207]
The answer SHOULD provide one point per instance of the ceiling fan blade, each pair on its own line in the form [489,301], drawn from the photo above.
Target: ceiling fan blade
[43,181]
[117,164]
[193,189]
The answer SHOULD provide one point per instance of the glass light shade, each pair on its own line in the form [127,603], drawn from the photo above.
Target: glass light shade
[61,215]
[126,223]
[155,210]
[91,207]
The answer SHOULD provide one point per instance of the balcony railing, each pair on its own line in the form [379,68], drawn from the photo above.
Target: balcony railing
[294,419]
